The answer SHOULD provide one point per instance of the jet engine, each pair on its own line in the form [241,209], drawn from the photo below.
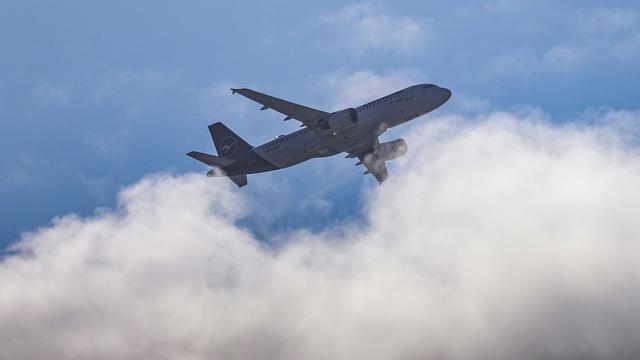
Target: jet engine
[389,150]
[341,120]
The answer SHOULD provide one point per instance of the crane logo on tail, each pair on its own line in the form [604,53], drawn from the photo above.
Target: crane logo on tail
[228,146]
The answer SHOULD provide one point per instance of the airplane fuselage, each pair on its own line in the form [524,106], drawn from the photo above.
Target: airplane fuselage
[373,119]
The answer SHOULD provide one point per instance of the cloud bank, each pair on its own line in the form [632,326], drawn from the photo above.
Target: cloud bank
[497,237]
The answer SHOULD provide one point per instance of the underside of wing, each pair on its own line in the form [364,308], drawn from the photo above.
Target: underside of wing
[364,153]
[306,115]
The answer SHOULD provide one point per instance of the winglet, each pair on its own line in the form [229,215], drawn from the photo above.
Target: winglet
[233,91]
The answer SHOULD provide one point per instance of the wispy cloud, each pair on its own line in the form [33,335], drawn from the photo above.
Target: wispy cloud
[602,34]
[504,7]
[505,237]
[628,49]
[564,58]
[108,145]
[51,94]
[14,178]
[97,187]
[134,90]
[216,101]
[520,61]
[353,88]
[527,62]
[127,82]
[602,21]
[18,173]
[368,27]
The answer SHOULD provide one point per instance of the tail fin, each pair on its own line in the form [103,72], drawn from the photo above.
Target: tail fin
[227,142]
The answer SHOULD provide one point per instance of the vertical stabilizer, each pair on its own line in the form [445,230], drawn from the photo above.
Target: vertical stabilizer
[228,144]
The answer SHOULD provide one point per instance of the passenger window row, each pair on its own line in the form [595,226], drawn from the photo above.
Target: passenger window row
[283,138]
[380,101]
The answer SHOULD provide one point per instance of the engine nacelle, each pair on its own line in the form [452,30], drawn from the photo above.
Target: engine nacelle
[341,120]
[390,150]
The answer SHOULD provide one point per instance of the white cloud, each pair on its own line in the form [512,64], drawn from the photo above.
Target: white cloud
[18,173]
[565,58]
[607,21]
[612,33]
[526,62]
[471,104]
[492,9]
[135,90]
[97,187]
[50,94]
[504,7]
[350,89]
[216,102]
[505,237]
[14,178]
[108,145]
[367,27]
[600,35]
[628,49]
[522,61]
[118,81]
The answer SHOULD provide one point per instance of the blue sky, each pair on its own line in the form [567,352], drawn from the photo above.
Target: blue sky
[95,95]
[508,230]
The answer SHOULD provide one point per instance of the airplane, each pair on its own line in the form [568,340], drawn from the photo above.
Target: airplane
[354,131]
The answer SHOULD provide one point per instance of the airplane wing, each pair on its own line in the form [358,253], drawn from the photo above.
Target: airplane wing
[364,152]
[306,115]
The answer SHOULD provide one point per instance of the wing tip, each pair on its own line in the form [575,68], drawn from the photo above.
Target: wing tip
[238,90]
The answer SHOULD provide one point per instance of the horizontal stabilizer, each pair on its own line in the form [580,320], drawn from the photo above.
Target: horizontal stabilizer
[240,180]
[211,160]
